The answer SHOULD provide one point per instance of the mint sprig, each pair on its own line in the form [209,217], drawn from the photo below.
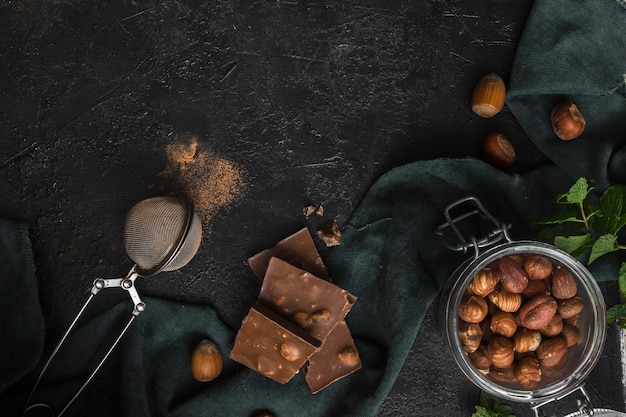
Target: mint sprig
[590,226]
[489,406]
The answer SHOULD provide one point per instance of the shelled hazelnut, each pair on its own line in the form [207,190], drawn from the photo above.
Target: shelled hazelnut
[520,331]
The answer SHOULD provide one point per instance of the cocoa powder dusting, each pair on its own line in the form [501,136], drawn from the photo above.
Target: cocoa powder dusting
[209,181]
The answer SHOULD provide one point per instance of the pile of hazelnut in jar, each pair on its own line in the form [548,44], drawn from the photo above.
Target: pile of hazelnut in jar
[518,319]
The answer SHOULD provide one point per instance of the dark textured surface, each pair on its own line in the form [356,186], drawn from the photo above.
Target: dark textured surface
[313,99]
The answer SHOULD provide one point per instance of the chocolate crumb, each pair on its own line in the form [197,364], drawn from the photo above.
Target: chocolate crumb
[330,234]
[308,210]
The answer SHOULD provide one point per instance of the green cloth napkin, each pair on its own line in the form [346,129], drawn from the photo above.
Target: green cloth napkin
[575,50]
[22,326]
[389,257]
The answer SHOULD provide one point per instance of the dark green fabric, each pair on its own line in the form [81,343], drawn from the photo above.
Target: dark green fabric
[22,326]
[389,256]
[575,50]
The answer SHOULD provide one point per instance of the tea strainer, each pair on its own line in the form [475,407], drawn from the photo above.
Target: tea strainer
[160,234]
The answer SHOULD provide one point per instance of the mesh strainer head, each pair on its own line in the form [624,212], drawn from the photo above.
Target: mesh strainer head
[161,234]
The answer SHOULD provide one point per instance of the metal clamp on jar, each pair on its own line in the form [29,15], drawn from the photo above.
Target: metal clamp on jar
[525,320]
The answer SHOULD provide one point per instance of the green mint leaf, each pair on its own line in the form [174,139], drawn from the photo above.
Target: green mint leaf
[603,245]
[570,215]
[503,410]
[482,412]
[610,206]
[488,400]
[572,244]
[622,280]
[616,312]
[490,407]
[577,193]
[620,223]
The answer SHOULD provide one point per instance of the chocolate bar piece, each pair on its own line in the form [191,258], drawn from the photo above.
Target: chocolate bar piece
[312,303]
[271,345]
[337,358]
[298,249]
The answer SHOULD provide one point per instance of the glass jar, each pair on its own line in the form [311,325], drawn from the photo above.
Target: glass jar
[580,358]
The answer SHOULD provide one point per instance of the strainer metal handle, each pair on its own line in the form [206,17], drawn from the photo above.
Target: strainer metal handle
[128,284]
[160,234]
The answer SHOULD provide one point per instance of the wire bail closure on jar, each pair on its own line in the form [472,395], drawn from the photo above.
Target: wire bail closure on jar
[475,227]
[499,233]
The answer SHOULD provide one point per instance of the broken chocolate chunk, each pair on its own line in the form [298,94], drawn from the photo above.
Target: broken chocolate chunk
[337,358]
[312,303]
[298,249]
[271,345]
[330,233]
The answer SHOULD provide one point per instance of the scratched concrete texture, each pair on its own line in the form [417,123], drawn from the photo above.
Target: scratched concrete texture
[313,99]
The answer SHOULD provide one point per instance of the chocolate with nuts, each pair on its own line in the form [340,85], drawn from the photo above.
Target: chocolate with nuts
[271,345]
[337,358]
[311,302]
[299,302]
[297,249]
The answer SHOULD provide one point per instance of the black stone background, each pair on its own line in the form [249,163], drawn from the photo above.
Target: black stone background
[314,99]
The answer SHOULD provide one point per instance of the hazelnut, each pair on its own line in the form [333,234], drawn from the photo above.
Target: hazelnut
[488,96]
[506,301]
[517,257]
[473,309]
[554,326]
[537,266]
[302,319]
[563,283]
[526,340]
[571,334]
[290,352]
[486,330]
[501,352]
[206,361]
[551,370]
[503,323]
[321,315]
[480,359]
[528,372]
[497,150]
[537,312]
[572,320]
[536,287]
[505,374]
[470,336]
[570,307]
[551,351]
[513,277]
[567,121]
[484,282]
[348,356]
